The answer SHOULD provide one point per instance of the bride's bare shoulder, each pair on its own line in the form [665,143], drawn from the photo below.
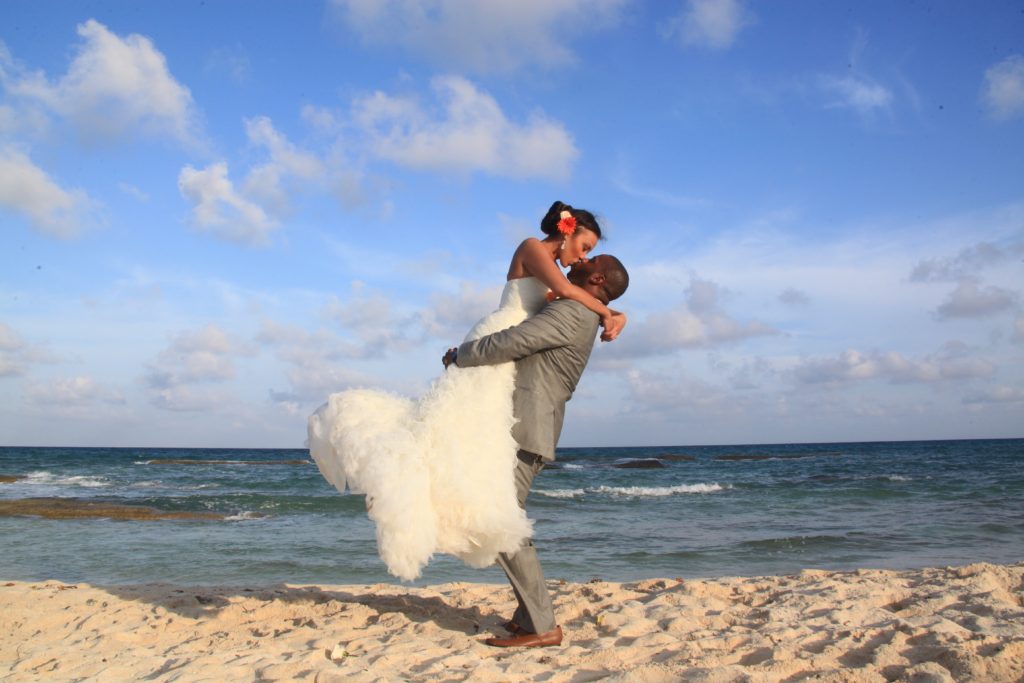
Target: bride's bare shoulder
[518,268]
[527,246]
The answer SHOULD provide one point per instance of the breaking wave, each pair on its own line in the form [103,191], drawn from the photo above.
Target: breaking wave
[50,479]
[635,491]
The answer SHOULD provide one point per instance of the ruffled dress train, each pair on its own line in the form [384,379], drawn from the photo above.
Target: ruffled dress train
[438,472]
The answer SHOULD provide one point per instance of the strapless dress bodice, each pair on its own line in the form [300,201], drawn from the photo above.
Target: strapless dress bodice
[526,293]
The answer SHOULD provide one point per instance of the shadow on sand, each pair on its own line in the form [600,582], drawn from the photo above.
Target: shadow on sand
[205,602]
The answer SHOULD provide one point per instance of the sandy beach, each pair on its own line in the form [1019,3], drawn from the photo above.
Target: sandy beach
[947,624]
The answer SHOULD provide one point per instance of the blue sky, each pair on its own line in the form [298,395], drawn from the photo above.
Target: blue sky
[215,214]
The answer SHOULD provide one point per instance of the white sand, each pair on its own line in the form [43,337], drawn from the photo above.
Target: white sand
[953,624]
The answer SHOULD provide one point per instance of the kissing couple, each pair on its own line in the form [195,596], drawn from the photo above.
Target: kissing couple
[450,471]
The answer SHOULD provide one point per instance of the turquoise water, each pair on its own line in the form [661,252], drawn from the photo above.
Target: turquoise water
[705,511]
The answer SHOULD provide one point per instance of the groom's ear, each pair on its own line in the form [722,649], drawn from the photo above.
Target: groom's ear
[597,278]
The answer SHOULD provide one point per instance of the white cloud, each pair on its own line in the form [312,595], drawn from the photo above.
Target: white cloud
[720,328]
[50,209]
[231,61]
[969,300]
[11,351]
[624,183]
[9,339]
[852,365]
[261,132]
[113,87]
[286,162]
[451,316]
[794,297]
[676,395]
[320,119]
[189,399]
[463,131]
[30,121]
[77,391]
[219,209]
[193,357]
[1000,394]
[1003,92]
[315,363]
[481,37]
[1018,329]
[351,189]
[751,373]
[133,191]
[859,93]
[8,120]
[967,263]
[296,345]
[16,354]
[470,134]
[249,213]
[311,386]
[175,367]
[369,318]
[365,326]
[709,23]
[701,322]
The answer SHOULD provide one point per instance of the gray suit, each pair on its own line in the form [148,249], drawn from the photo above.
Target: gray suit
[550,350]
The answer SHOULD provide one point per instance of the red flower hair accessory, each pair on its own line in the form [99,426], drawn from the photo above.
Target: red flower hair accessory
[566,223]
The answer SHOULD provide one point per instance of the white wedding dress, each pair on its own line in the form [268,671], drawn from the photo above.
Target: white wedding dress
[438,472]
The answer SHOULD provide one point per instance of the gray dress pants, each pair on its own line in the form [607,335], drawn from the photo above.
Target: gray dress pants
[535,612]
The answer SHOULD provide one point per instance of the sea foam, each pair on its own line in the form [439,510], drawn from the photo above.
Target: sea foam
[562,493]
[50,479]
[660,490]
[636,491]
[242,516]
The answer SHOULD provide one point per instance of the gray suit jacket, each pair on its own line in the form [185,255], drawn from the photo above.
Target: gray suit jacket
[550,351]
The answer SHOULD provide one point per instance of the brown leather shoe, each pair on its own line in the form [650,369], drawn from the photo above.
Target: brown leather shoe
[513,628]
[552,637]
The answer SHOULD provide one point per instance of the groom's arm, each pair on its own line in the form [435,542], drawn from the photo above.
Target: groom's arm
[557,324]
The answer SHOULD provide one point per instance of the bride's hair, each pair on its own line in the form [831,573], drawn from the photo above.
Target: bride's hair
[584,219]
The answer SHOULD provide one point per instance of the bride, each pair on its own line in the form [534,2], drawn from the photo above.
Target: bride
[438,471]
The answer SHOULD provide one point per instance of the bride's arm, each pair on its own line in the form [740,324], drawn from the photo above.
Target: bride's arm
[538,262]
[618,322]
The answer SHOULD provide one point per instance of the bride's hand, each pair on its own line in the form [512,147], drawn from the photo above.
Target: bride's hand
[612,324]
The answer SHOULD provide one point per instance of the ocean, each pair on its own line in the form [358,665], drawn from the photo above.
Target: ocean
[255,517]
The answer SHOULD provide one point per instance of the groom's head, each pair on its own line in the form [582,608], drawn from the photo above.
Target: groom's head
[603,276]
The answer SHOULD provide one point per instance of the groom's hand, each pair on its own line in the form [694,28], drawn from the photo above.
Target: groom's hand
[449,357]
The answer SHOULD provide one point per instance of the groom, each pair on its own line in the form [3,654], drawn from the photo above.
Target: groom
[550,351]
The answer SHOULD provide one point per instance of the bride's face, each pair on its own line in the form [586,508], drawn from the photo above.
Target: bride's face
[577,246]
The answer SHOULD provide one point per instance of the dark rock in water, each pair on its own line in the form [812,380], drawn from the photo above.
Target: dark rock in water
[9,479]
[74,508]
[676,457]
[638,464]
[552,466]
